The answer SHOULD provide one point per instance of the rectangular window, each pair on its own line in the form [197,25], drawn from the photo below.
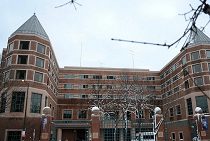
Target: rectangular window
[85,86]
[181,137]
[150,78]
[85,76]
[9,61]
[208,54]
[39,62]
[173,136]
[150,88]
[38,77]
[24,45]
[171,112]
[97,76]
[82,114]
[41,48]
[110,77]
[67,96]
[22,59]
[198,81]
[18,99]
[195,55]
[13,135]
[69,76]
[67,114]
[196,68]
[10,47]
[189,106]
[178,110]
[140,114]
[201,101]
[20,74]
[176,89]
[175,78]
[209,66]
[185,71]
[186,84]
[3,102]
[36,100]
[68,86]
[184,60]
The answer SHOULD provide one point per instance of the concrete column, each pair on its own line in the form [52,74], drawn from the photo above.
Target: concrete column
[59,134]
[95,124]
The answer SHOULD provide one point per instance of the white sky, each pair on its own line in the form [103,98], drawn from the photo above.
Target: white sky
[92,25]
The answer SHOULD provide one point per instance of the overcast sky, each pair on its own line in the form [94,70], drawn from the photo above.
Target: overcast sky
[82,37]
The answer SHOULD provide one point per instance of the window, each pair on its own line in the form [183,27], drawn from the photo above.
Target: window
[171,112]
[128,115]
[82,114]
[208,54]
[176,89]
[97,76]
[173,68]
[20,74]
[196,68]
[209,66]
[175,78]
[85,86]
[22,59]
[24,45]
[40,48]
[10,47]
[189,106]
[173,136]
[69,76]
[84,96]
[85,76]
[201,101]
[36,100]
[3,102]
[67,96]
[178,110]
[181,137]
[67,114]
[150,78]
[198,81]
[13,135]
[140,114]
[38,77]
[9,61]
[39,62]
[184,60]
[185,71]
[68,86]
[195,55]
[110,77]
[18,99]
[186,84]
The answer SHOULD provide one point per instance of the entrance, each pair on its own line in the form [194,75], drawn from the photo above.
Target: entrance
[75,135]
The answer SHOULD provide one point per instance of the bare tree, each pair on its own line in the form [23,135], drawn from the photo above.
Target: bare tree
[118,100]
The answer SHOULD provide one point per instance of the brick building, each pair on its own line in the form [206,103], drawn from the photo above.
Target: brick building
[31,79]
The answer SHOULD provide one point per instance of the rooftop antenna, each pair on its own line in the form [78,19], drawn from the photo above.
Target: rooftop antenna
[81,55]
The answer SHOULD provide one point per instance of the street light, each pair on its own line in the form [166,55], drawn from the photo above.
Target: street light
[200,117]
[156,126]
[23,134]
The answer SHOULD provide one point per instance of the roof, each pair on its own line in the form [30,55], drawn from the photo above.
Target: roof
[32,26]
[198,37]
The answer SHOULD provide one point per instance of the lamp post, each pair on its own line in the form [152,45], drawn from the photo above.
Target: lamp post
[200,119]
[23,134]
[156,125]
